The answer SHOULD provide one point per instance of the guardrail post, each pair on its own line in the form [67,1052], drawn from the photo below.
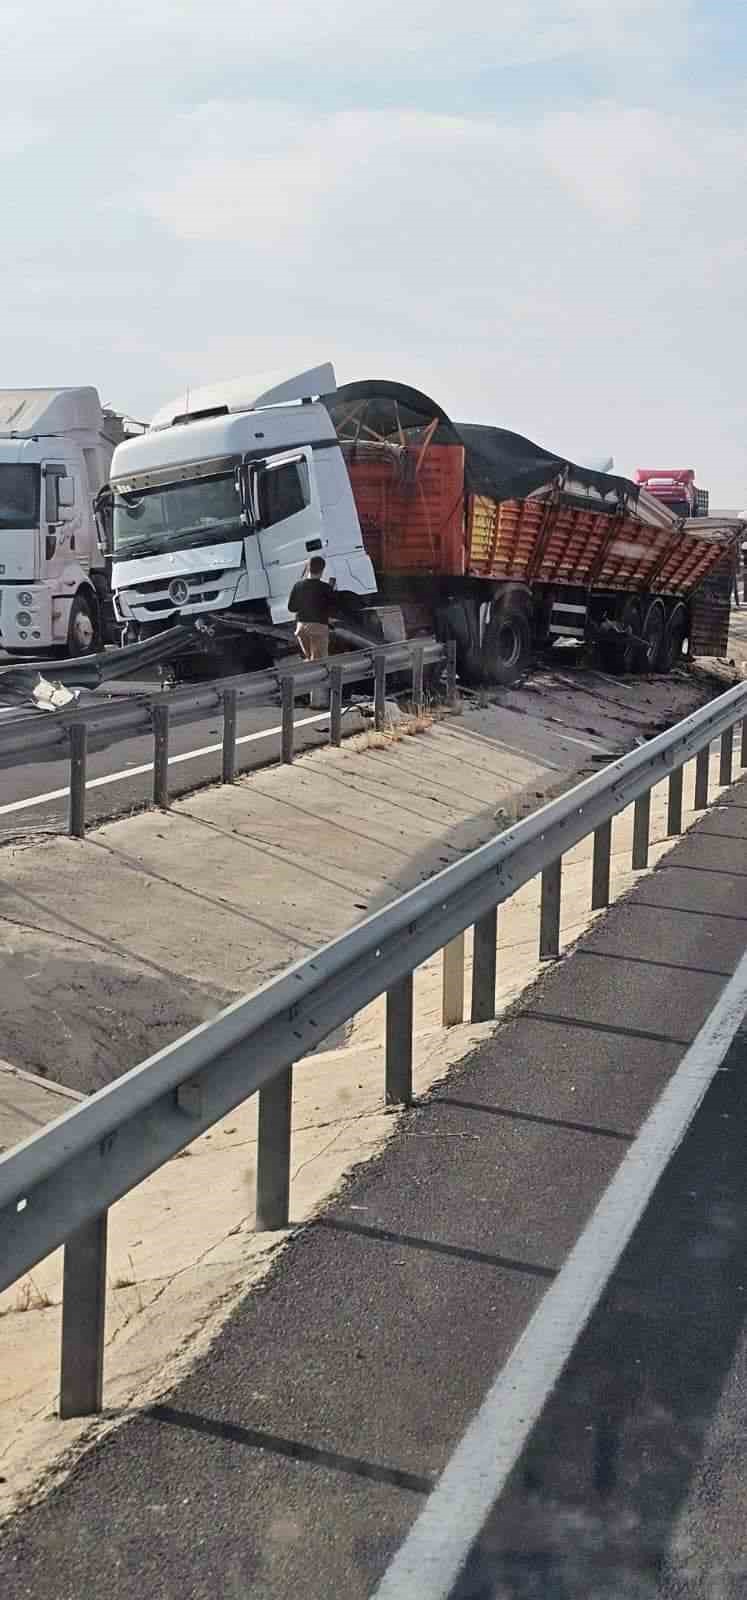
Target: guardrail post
[743,748]
[453,982]
[600,867]
[641,830]
[273,1153]
[379,691]
[399,1009]
[418,665]
[726,764]
[549,938]
[160,755]
[335,704]
[701,778]
[484,961]
[230,700]
[288,706]
[78,754]
[451,672]
[83,1320]
[674,801]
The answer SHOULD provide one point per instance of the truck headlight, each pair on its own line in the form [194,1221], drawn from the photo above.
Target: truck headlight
[25,599]
[23,619]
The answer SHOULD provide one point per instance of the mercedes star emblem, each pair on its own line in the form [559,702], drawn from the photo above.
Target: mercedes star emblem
[179,591]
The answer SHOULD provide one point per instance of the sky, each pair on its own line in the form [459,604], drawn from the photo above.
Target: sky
[532,209]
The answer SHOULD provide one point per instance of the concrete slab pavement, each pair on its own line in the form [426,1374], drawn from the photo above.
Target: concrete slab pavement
[112,947]
[28,1103]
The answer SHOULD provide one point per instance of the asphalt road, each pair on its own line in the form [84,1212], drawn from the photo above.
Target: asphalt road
[292,1461]
[194,761]
[633,1484]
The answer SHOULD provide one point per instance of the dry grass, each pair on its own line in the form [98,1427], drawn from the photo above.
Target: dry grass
[125,1281]
[408,726]
[28,1298]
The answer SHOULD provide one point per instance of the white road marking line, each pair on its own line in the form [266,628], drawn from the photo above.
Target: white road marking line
[599,749]
[437,1547]
[137,772]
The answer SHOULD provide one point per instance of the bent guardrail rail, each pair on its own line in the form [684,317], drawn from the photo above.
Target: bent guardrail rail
[57,1186]
[70,727]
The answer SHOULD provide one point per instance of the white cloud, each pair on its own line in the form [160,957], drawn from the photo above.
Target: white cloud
[540,270]
[149,46]
[424,194]
[202,205]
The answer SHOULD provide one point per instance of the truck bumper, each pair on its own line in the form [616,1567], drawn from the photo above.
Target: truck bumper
[25,617]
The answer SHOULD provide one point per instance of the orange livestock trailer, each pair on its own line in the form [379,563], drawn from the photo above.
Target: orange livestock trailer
[487,538]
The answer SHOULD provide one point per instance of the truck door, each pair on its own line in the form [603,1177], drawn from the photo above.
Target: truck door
[288,521]
[60,516]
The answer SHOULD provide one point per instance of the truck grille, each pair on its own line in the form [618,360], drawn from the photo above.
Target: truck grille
[158,586]
[154,596]
[166,604]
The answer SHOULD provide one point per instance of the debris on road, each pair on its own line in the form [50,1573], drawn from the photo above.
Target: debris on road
[52,696]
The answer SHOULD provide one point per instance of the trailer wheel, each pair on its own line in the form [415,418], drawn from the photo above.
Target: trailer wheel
[507,644]
[82,629]
[677,630]
[654,633]
[620,655]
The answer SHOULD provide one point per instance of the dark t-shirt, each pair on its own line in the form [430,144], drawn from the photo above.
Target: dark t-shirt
[312,600]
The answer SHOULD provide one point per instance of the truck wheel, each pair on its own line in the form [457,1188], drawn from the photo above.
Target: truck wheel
[81,629]
[620,655]
[676,633]
[654,633]
[507,644]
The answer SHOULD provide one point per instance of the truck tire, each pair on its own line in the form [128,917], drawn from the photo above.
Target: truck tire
[82,628]
[507,644]
[677,630]
[654,633]
[619,655]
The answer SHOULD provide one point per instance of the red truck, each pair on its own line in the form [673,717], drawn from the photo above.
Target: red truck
[482,536]
[675,487]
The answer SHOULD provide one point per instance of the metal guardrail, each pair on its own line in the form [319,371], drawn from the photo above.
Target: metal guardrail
[157,714]
[56,1187]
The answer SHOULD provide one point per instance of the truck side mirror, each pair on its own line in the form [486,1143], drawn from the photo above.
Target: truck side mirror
[245,486]
[65,492]
[103,507]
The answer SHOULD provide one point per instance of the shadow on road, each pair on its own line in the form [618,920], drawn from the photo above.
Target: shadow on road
[592,1507]
[291,1449]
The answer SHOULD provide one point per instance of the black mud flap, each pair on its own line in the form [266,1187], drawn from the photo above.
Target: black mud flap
[458,621]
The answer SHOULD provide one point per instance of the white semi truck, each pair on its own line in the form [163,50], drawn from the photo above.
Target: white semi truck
[214,511]
[469,532]
[56,447]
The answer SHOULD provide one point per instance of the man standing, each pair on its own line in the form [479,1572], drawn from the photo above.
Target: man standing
[313,601]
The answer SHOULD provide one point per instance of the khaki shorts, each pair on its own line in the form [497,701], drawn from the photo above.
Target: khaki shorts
[313,638]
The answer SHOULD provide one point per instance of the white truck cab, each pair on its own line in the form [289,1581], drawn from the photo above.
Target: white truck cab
[55,450]
[219,505]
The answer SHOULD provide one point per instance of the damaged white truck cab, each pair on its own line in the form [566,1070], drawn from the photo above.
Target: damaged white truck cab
[218,506]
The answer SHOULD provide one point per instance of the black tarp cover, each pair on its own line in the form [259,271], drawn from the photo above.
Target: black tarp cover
[498,464]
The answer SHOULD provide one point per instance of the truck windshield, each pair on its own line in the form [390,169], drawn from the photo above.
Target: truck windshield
[150,520]
[20,493]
